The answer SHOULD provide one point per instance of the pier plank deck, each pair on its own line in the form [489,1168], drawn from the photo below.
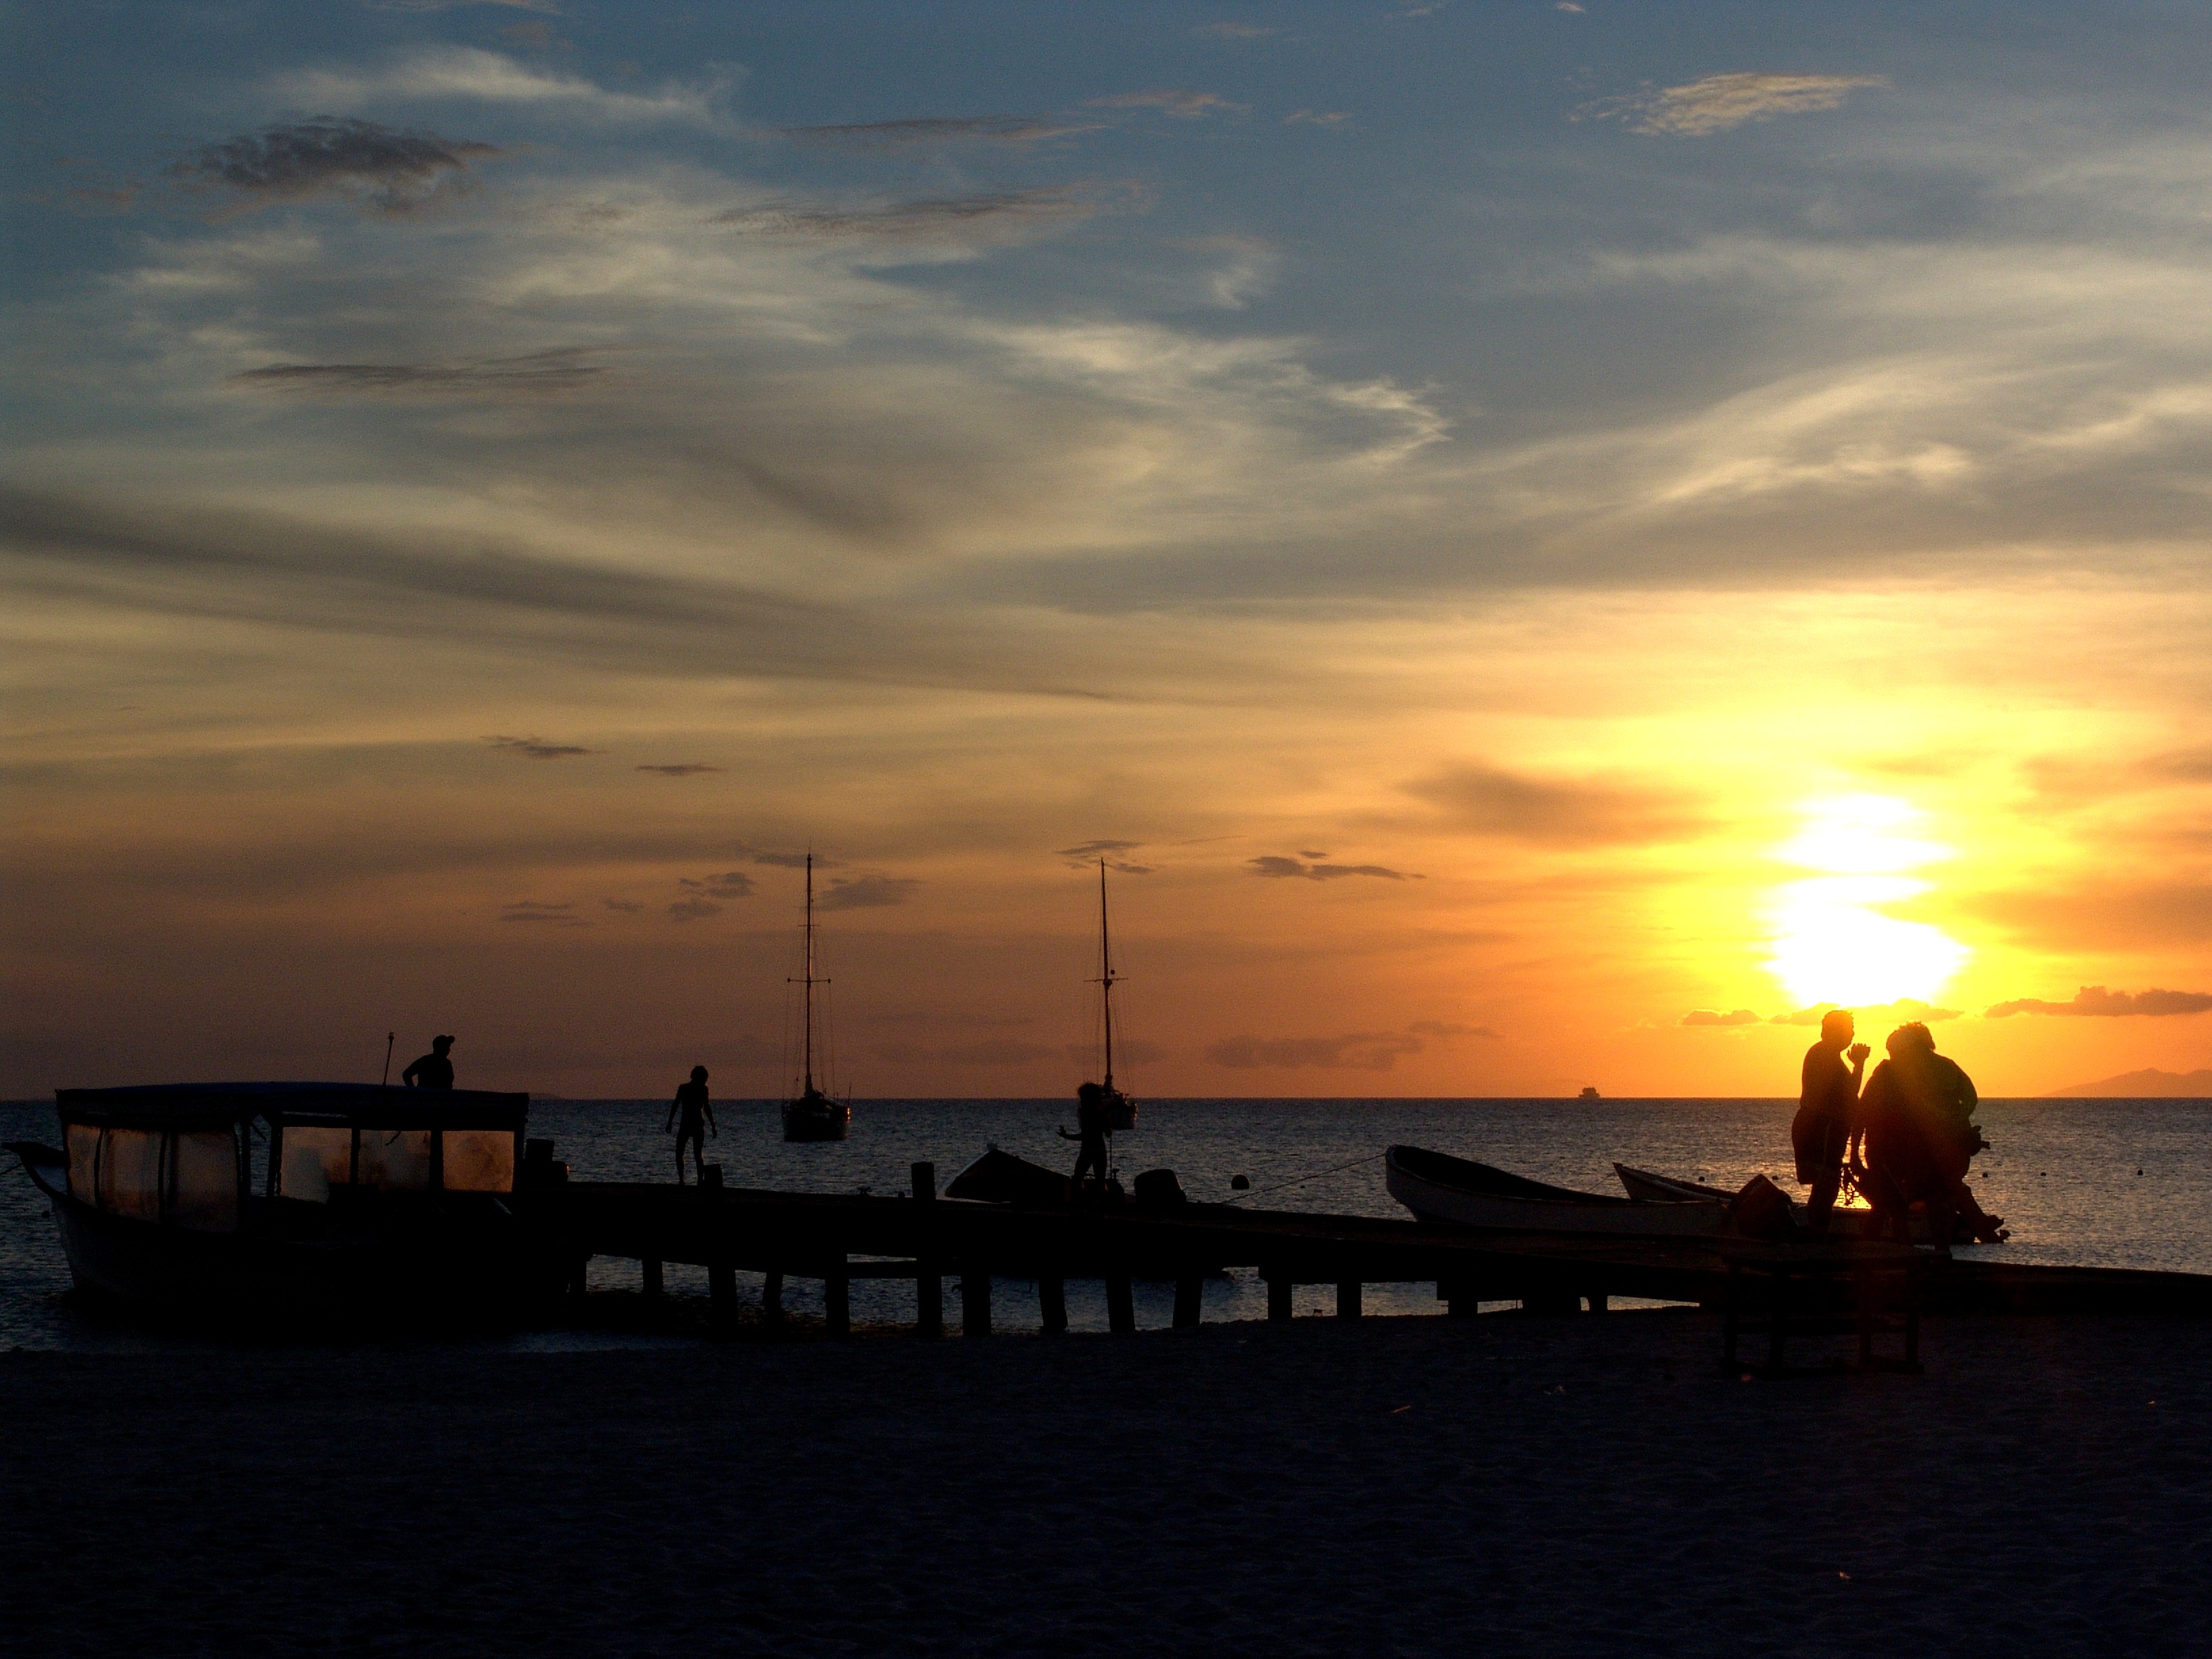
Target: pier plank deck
[837,1237]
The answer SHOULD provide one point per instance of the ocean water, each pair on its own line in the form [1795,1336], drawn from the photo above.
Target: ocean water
[2101,1183]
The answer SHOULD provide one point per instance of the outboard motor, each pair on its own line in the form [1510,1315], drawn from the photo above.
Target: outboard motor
[1159,1189]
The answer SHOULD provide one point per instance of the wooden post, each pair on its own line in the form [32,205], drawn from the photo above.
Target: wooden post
[1597,1301]
[929,1285]
[838,1303]
[582,1265]
[1052,1304]
[653,1275]
[1347,1298]
[1120,1304]
[1190,1289]
[1279,1290]
[723,1289]
[974,1303]
[772,1295]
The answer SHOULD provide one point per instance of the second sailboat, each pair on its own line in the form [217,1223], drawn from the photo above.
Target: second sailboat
[812,1114]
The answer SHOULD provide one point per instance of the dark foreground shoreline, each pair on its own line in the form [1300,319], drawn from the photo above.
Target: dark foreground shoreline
[1506,1484]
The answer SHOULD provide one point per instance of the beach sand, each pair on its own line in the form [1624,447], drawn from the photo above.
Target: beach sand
[1508,1484]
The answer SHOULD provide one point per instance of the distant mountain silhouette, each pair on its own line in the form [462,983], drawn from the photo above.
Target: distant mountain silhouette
[2148,1085]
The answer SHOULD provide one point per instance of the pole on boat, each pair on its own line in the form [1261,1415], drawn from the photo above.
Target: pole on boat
[390,1037]
[1106,976]
[806,1064]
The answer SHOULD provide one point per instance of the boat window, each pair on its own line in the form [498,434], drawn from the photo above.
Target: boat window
[82,1140]
[479,1160]
[395,1160]
[316,1158]
[205,1165]
[130,1173]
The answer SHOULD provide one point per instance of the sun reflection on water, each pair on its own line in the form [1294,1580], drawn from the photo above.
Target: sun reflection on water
[1833,940]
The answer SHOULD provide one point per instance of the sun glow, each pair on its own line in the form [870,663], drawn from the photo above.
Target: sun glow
[1833,940]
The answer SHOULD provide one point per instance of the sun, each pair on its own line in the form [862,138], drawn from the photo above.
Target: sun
[1832,938]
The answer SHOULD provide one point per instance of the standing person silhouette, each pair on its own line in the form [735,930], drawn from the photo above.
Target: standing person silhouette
[696,1119]
[1090,1130]
[1827,1125]
[435,1070]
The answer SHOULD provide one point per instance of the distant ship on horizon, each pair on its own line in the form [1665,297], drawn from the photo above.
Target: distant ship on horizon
[1589,1092]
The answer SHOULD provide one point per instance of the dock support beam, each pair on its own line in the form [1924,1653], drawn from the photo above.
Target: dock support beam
[772,1295]
[838,1303]
[1120,1303]
[722,1290]
[1190,1291]
[1280,1291]
[974,1303]
[1347,1298]
[928,1285]
[1460,1300]
[1052,1304]
[653,1279]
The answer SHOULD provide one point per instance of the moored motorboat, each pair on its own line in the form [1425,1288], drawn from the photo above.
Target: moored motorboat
[371,1201]
[1846,1221]
[1437,1187]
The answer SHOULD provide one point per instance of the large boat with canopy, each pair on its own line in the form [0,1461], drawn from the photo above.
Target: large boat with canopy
[318,1201]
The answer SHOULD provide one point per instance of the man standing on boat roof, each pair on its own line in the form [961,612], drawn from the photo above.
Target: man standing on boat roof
[698,1118]
[435,1070]
[1827,1127]
[1090,1130]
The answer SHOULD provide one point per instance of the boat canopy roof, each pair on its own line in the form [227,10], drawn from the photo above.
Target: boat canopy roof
[360,1105]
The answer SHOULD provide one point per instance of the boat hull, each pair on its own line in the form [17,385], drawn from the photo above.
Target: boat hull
[817,1119]
[1845,1221]
[1440,1189]
[473,1267]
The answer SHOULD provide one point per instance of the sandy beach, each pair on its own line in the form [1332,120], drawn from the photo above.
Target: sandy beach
[1507,1484]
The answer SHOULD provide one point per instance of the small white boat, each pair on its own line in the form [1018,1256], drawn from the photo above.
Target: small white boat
[1846,1221]
[1437,1187]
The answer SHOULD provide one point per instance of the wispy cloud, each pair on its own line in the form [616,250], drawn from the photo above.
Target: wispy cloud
[1089,852]
[550,7]
[470,73]
[697,908]
[993,214]
[937,129]
[866,892]
[681,769]
[1280,868]
[1710,1017]
[1232,31]
[539,750]
[530,910]
[389,171]
[1567,812]
[2095,1002]
[986,1051]
[537,373]
[1353,1051]
[1696,109]
[1317,117]
[1183,105]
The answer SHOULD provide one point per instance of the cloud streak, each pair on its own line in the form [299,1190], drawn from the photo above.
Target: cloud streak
[1697,109]
[1279,868]
[555,372]
[994,215]
[538,749]
[389,171]
[932,130]
[2095,1002]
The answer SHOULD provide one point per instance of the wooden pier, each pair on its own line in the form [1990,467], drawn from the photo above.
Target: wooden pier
[835,1238]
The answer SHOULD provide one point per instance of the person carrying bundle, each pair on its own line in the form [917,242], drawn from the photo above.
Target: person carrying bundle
[1920,1139]
[1090,1130]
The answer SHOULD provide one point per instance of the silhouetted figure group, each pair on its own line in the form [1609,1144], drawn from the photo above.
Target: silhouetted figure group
[435,1070]
[1906,1137]
[691,1116]
[1090,1130]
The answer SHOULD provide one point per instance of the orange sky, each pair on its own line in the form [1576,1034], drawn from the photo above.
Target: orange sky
[1534,588]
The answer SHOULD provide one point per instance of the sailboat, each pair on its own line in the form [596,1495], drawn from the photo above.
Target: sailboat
[1121,1110]
[813,1116]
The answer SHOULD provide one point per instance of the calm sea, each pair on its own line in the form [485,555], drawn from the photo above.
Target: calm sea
[2104,1182]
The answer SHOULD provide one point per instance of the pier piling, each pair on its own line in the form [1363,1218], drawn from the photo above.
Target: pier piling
[1347,1298]
[650,1276]
[1280,1291]
[1120,1303]
[974,1303]
[1052,1304]
[1190,1291]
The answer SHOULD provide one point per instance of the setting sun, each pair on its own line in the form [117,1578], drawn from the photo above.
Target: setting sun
[1833,941]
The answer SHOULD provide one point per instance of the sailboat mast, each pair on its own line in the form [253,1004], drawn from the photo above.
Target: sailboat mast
[809,1066]
[1106,976]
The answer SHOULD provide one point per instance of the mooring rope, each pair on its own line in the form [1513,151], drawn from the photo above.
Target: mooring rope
[1298,1181]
